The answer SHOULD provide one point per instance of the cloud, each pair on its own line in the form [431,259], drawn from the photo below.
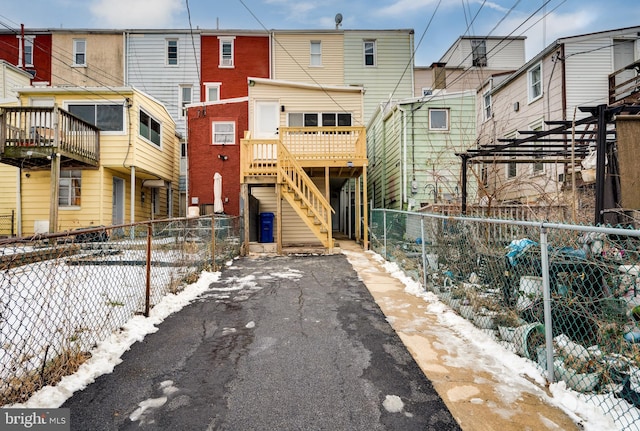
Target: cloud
[404,7]
[136,13]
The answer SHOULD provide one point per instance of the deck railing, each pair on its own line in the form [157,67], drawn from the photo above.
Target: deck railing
[49,127]
[310,146]
[624,83]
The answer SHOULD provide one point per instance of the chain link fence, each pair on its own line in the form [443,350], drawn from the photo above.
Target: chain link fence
[567,297]
[61,294]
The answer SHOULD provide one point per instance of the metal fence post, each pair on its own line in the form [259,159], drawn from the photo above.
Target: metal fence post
[213,242]
[424,253]
[384,232]
[548,329]
[147,296]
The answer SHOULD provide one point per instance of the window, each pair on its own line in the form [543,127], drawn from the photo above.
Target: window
[172,52]
[183,150]
[79,52]
[149,128]
[486,100]
[224,132]
[311,119]
[370,53]
[106,117]
[226,52]
[438,119]
[212,91]
[185,98]
[316,53]
[479,51]
[512,169]
[535,82]
[537,167]
[427,91]
[25,57]
[69,188]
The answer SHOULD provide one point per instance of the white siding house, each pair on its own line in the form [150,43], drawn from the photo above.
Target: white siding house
[570,73]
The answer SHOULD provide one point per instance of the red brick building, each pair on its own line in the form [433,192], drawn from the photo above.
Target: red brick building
[228,59]
[216,125]
[31,52]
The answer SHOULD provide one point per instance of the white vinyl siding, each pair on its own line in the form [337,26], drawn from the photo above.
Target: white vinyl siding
[146,60]
[501,54]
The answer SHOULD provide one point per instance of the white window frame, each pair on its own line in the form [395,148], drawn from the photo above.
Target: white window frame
[479,52]
[28,57]
[226,61]
[315,55]
[67,178]
[152,119]
[184,100]
[439,129]
[79,51]
[208,86]
[427,91]
[373,54]
[532,85]
[231,134]
[486,106]
[168,54]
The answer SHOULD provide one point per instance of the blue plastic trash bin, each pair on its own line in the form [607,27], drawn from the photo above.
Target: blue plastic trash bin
[266,227]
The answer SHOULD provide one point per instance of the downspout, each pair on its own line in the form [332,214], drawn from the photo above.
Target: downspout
[125,63]
[405,200]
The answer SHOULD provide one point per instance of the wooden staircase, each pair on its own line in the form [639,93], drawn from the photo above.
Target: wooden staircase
[304,197]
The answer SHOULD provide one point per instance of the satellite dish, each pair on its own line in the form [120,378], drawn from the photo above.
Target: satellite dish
[338,20]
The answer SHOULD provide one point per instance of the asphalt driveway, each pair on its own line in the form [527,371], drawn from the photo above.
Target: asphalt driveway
[278,343]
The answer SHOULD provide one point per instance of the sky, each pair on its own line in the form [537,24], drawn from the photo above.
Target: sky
[468,346]
[437,23]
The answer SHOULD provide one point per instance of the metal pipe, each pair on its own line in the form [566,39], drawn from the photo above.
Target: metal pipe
[546,292]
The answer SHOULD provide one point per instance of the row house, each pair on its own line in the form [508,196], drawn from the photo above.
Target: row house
[569,74]
[412,142]
[469,62]
[82,157]
[29,50]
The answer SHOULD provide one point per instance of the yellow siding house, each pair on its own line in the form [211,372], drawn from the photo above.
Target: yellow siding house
[87,157]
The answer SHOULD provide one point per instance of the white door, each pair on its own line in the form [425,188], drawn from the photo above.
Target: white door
[267,119]
[118,201]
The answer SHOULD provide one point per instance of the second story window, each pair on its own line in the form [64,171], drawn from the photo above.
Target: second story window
[79,52]
[479,51]
[223,132]
[185,98]
[439,119]
[172,52]
[370,53]
[106,117]
[226,52]
[486,102]
[25,51]
[212,91]
[150,128]
[534,80]
[315,53]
